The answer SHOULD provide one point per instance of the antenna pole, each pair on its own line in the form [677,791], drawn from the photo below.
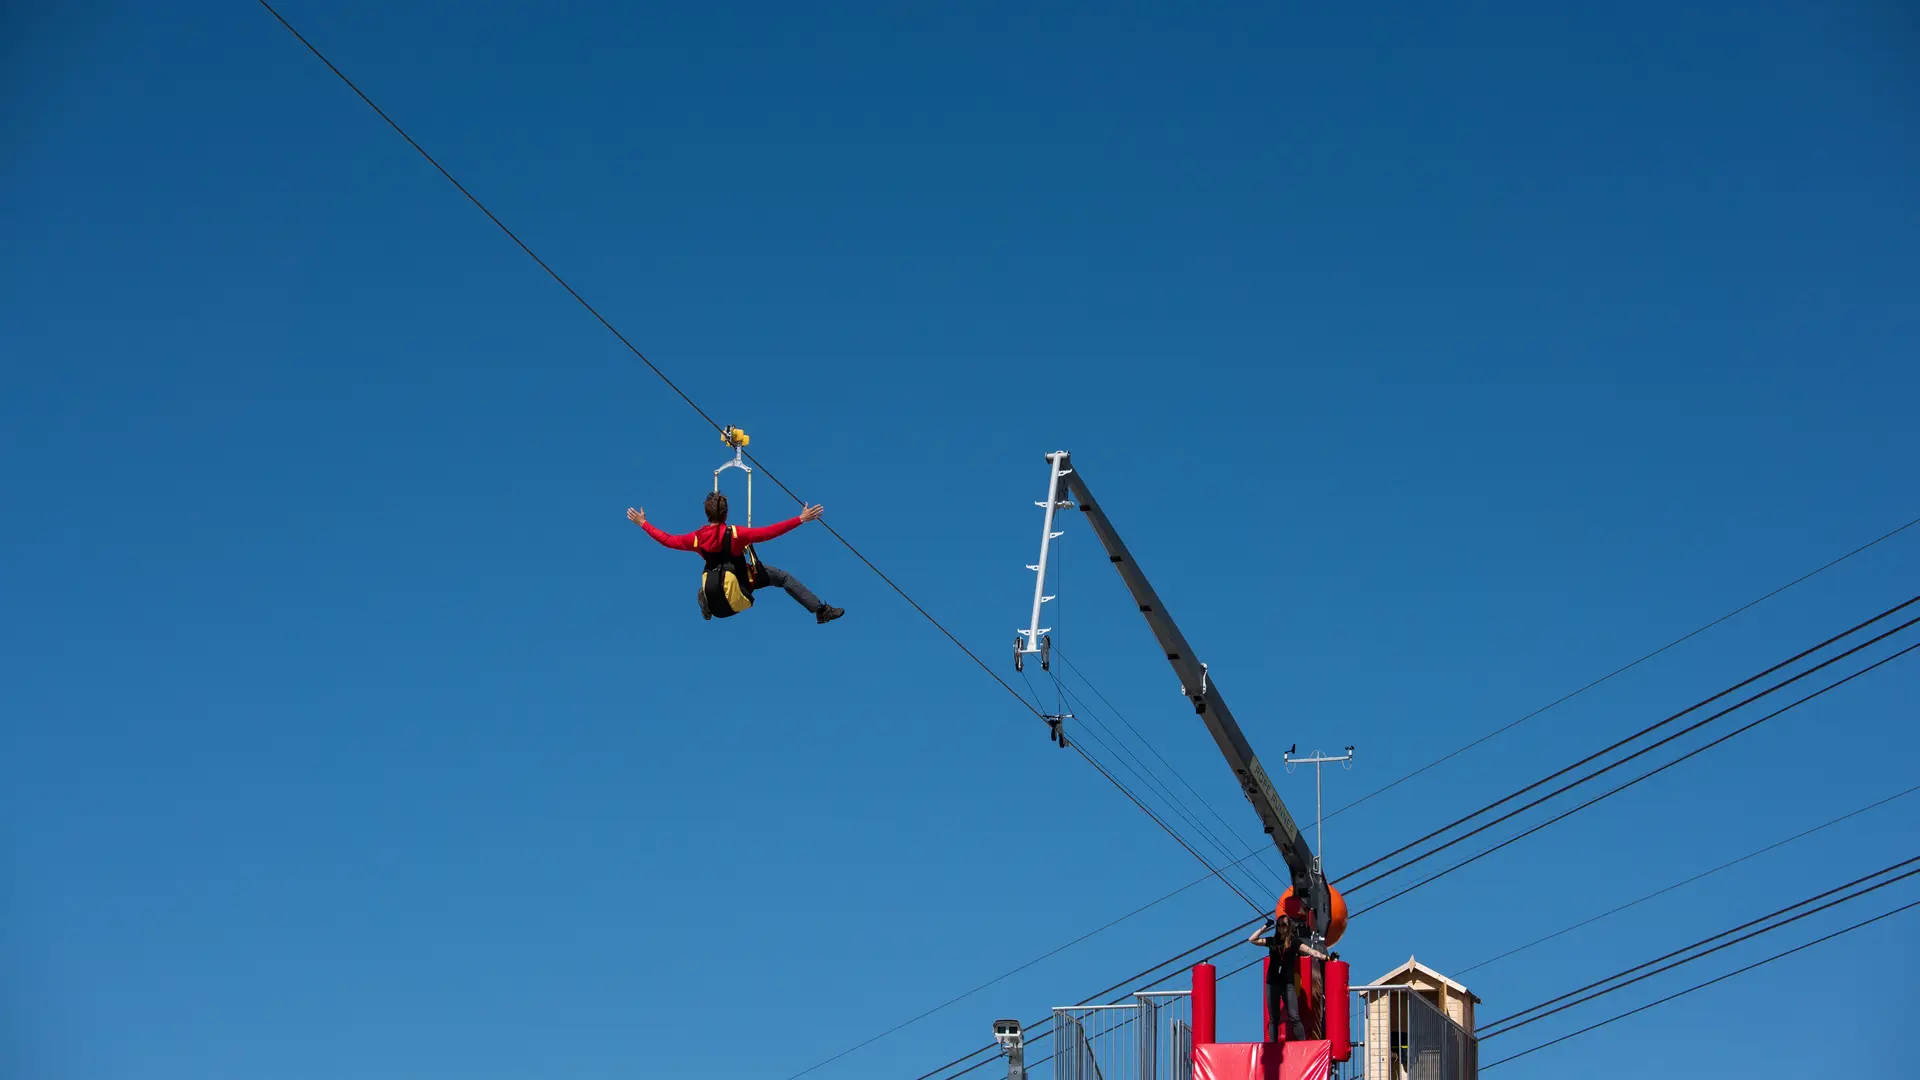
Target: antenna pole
[1319,820]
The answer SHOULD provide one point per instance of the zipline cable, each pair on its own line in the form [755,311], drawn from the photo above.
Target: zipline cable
[704,415]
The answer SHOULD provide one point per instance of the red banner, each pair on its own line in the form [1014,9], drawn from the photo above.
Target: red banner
[1262,1061]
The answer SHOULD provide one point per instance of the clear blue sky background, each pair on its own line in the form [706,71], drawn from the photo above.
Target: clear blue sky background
[1434,363]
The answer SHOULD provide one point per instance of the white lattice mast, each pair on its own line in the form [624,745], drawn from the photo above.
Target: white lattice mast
[1034,638]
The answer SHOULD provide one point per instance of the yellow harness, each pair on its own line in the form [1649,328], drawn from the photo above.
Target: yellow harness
[727,583]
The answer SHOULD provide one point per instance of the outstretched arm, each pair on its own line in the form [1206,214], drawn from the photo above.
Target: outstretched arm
[683,542]
[768,532]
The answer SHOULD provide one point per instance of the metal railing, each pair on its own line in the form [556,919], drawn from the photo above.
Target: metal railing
[1400,1035]
[1148,1038]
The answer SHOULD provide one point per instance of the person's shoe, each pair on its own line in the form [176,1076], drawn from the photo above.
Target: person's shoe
[828,614]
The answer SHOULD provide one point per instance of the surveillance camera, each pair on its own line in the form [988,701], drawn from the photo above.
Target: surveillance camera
[1007,1033]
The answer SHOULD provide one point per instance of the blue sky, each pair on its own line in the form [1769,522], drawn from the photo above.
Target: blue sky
[1432,363]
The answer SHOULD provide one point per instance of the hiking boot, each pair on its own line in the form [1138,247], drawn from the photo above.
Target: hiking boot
[828,614]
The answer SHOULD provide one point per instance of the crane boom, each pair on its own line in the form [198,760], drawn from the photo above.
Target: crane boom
[1308,881]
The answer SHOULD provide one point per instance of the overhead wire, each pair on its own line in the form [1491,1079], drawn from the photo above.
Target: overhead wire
[1649,729]
[1563,815]
[1624,668]
[1686,881]
[1710,982]
[1520,1019]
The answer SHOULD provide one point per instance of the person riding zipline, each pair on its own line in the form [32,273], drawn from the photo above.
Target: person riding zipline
[733,571]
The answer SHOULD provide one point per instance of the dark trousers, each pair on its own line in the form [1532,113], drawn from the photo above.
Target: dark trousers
[773,575]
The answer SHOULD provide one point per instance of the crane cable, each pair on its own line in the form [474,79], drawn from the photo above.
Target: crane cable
[1253,850]
[704,415]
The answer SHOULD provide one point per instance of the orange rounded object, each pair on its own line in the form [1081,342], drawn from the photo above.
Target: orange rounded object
[1336,919]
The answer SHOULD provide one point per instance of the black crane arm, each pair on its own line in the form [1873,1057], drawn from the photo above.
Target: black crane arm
[1308,882]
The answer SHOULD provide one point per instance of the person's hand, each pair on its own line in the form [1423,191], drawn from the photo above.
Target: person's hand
[638,517]
[811,513]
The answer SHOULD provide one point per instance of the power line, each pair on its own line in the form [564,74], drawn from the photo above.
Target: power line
[1383,789]
[1688,881]
[1643,776]
[1649,729]
[1704,985]
[1513,1022]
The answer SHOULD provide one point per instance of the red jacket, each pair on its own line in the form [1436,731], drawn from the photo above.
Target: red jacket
[707,537]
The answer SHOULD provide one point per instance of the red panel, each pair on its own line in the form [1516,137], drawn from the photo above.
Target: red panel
[1262,1061]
